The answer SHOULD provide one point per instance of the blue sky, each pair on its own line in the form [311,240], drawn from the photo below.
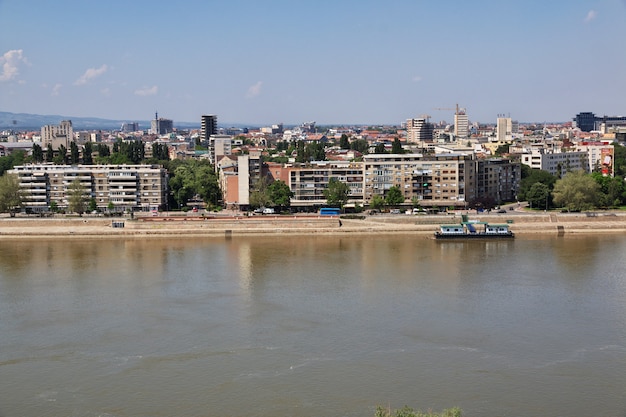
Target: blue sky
[329,61]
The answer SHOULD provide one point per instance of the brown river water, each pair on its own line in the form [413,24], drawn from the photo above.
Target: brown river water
[313,326]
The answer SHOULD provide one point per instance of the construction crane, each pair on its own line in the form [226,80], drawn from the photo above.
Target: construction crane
[456,109]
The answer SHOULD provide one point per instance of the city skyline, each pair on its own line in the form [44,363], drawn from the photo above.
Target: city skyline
[347,62]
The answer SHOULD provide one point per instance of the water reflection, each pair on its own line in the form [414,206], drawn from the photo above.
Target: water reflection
[312,325]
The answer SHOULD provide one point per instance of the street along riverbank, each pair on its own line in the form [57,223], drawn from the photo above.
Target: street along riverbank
[521,223]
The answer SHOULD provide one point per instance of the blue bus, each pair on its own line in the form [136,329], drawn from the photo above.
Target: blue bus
[329,211]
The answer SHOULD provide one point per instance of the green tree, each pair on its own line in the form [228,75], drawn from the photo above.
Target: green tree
[360,145]
[612,190]
[260,194]
[576,191]
[379,148]
[160,152]
[394,196]
[336,193]
[378,202]
[538,195]
[74,153]
[11,196]
[103,150]
[182,184]
[619,160]
[87,153]
[532,176]
[501,150]
[49,153]
[315,152]
[37,153]
[207,185]
[93,204]
[10,161]
[54,206]
[300,155]
[280,194]
[396,146]
[59,158]
[344,143]
[77,198]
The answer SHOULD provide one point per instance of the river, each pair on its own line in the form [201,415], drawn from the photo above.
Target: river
[313,326]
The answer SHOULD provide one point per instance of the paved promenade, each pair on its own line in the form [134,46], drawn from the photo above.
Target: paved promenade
[522,223]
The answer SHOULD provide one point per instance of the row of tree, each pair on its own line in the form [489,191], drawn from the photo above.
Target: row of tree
[132,152]
[575,191]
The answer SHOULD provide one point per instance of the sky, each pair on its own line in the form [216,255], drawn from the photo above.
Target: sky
[329,61]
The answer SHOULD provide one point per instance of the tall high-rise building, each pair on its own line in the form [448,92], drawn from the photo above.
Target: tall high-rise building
[208,127]
[419,130]
[461,123]
[585,121]
[161,126]
[504,129]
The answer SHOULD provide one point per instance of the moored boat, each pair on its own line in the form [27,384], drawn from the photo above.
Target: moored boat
[470,229]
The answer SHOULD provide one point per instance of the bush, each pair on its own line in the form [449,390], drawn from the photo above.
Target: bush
[352,217]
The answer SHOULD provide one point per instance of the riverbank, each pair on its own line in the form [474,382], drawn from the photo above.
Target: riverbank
[521,223]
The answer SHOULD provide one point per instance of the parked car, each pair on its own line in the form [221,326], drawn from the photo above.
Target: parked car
[268,210]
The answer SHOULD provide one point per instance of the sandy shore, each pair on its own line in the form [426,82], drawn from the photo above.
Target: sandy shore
[177,226]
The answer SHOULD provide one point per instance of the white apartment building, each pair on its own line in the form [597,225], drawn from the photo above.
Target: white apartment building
[600,157]
[125,187]
[461,124]
[504,129]
[556,162]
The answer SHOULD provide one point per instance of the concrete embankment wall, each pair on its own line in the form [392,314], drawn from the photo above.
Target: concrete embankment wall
[103,227]
[520,223]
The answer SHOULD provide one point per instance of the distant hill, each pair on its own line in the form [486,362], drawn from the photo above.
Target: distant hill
[25,121]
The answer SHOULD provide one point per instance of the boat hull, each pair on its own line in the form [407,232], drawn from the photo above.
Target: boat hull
[473,236]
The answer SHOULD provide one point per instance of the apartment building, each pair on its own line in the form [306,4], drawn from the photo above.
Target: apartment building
[419,130]
[497,179]
[308,182]
[61,134]
[124,187]
[556,162]
[438,181]
[208,127]
[219,145]
[600,157]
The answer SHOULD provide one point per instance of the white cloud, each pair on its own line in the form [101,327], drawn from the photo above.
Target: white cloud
[56,89]
[90,74]
[416,79]
[11,62]
[254,90]
[591,14]
[147,91]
